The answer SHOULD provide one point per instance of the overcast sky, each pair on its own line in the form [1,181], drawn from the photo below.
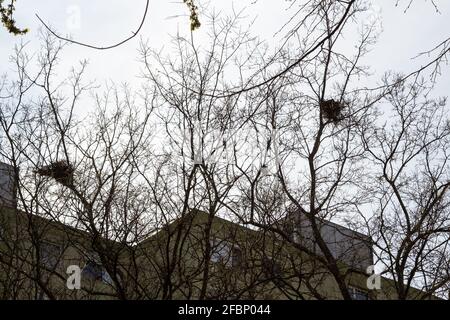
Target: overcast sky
[106,22]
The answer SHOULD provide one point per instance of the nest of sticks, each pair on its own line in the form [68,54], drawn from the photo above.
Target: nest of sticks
[332,110]
[61,171]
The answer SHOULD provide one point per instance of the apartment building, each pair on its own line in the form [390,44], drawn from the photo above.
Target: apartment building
[193,256]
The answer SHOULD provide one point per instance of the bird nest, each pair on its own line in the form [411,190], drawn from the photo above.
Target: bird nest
[332,110]
[61,171]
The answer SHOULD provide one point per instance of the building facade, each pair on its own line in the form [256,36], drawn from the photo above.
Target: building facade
[195,256]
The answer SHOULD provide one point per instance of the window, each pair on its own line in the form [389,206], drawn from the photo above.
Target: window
[94,270]
[358,294]
[226,253]
[49,254]
[221,251]
[236,256]
[272,270]
[41,295]
[106,278]
[295,234]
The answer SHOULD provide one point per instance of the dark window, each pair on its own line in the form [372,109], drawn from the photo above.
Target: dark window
[272,270]
[220,251]
[50,254]
[42,296]
[226,253]
[236,257]
[358,294]
[94,270]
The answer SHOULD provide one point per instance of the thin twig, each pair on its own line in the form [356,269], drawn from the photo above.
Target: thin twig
[97,47]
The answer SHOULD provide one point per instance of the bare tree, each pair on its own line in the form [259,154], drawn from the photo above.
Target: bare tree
[223,176]
[409,158]
[81,174]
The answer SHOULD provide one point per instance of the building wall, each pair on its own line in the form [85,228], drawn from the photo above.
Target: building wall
[7,185]
[181,244]
[348,246]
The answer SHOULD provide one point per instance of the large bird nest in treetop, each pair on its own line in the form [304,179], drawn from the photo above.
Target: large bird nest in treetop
[61,171]
[332,110]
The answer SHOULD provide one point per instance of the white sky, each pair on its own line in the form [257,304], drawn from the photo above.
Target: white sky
[107,22]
